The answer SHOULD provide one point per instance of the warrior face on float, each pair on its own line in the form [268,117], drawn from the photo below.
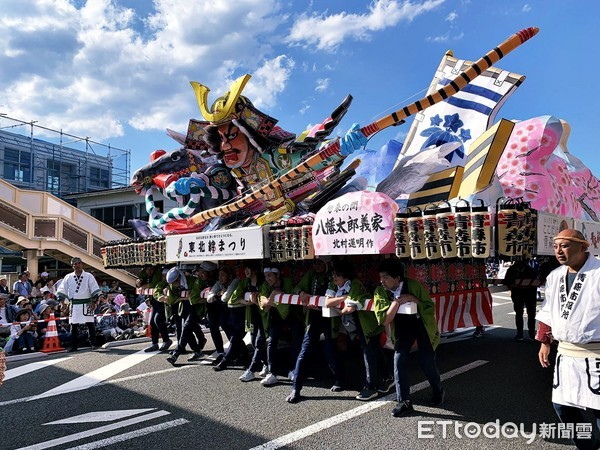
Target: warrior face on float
[235,147]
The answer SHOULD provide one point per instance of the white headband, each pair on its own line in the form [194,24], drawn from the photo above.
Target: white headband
[271,270]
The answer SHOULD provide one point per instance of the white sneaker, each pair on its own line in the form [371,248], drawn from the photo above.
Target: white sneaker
[269,380]
[291,375]
[248,376]
[264,372]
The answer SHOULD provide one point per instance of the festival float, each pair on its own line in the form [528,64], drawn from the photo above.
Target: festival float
[462,188]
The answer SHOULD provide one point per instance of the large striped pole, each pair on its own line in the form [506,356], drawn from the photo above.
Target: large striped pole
[474,70]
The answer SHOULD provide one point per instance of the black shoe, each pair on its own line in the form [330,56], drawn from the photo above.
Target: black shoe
[386,386]
[164,347]
[218,360]
[519,337]
[152,348]
[294,397]
[367,394]
[173,358]
[73,349]
[405,407]
[221,366]
[197,356]
[438,399]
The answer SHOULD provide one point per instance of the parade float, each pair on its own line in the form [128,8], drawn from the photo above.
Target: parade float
[463,188]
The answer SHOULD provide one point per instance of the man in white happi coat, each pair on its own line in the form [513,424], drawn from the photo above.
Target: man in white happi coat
[82,290]
[572,311]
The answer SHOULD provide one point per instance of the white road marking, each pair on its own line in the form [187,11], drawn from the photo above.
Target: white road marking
[94,431]
[351,414]
[100,416]
[27,368]
[90,379]
[116,380]
[131,435]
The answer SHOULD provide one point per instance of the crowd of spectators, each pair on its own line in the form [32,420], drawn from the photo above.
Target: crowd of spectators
[26,307]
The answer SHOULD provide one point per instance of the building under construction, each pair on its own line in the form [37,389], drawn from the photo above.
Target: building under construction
[58,162]
[38,170]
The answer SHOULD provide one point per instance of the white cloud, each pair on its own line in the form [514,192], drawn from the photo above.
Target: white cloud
[110,65]
[452,16]
[327,32]
[526,8]
[445,37]
[322,84]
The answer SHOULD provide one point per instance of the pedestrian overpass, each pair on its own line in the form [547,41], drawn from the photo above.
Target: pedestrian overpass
[40,224]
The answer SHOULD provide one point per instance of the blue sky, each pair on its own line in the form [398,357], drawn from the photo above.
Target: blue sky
[119,71]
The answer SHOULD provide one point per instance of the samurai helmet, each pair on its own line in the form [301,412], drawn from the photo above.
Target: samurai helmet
[233,107]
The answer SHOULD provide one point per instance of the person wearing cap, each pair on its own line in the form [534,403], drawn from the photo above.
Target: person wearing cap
[22,286]
[275,317]
[315,282]
[177,295]
[22,333]
[44,277]
[571,311]
[216,307]
[156,279]
[82,291]
[4,285]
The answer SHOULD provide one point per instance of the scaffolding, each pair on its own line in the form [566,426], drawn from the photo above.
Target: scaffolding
[60,163]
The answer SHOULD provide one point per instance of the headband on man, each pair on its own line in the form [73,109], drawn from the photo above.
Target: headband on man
[271,270]
[573,236]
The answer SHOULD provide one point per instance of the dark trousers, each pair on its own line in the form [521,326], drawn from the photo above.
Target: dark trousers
[573,415]
[25,342]
[158,322]
[91,326]
[191,332]
[276,325]
[408,329]
[376,368]
[519,303]
[317,324]
[218,318]
[259,340]
[237,326]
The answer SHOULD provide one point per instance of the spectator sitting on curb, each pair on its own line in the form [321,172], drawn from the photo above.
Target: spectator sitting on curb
[22,334]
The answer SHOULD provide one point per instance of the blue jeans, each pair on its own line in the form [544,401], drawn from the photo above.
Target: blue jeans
[317,324]
[259,339]
[408,329]
[571,414]
[25,341]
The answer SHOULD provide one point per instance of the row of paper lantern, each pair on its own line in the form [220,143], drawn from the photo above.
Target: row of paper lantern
[136,253]
[465,231]
[291,240]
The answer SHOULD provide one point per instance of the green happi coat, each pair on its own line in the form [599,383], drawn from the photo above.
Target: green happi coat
[425,307]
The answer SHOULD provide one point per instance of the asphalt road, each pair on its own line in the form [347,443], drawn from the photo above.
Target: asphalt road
[124,398]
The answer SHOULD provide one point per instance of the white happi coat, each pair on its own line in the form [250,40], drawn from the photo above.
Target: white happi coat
[80,291]
[574,317]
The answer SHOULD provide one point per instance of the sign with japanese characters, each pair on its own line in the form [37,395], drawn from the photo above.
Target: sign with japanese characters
[354,224]
[548,226]
[242,243]
[591,231]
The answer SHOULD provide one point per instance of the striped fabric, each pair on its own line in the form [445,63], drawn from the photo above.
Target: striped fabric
[463,309]
[441,186]
[473,109]
[483,156]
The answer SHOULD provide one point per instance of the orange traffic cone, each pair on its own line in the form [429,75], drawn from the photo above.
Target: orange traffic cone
[51,341]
